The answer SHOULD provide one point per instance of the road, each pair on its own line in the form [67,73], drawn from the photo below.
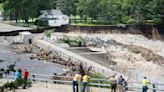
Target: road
[24,62]
[9,28]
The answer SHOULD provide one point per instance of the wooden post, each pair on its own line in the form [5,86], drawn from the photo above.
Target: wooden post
[154,87]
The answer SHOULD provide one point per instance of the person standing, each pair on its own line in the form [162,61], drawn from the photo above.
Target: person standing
[120,81]
[124,85]
[20,71]
[25,77]
[17,75]
[85,81]
[75,83]
[113,82]
[145,84]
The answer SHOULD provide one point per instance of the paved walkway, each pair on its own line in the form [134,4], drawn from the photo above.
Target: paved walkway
[9,28]
[58,88]
[47,87]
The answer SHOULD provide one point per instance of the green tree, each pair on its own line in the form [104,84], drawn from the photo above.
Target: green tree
[25,9]
[68,7]
[113,11]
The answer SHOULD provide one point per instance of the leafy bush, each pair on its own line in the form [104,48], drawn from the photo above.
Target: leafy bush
[41,23]
[157,20]
[72,41]
[99,76]
[15,84]
[126,19]
[48,33]
[131,21]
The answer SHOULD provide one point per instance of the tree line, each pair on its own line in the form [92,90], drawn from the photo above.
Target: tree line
[106,11]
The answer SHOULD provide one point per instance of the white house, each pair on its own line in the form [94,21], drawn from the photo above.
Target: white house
[55,17]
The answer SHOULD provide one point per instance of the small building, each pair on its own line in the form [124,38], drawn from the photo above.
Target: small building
[26,37]
[54,17]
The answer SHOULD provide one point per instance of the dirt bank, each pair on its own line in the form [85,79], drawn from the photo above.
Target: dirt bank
[150,31]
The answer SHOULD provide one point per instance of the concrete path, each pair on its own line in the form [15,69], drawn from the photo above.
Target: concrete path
[57,88]
[9,28]
[47,87]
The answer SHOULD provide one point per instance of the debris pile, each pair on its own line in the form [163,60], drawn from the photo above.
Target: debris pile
[48,56]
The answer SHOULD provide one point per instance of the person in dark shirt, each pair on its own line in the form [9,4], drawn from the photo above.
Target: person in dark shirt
[120,81]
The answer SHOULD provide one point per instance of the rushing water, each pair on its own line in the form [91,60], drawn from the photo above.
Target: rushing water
[24,62]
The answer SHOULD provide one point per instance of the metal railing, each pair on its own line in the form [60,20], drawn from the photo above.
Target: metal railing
[48,79]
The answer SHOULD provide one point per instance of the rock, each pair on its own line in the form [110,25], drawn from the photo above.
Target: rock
[94,41]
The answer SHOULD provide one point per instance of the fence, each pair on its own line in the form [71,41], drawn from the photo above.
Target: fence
[153,86]
[91,21]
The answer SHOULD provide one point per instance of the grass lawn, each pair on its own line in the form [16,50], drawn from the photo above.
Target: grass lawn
[84,24]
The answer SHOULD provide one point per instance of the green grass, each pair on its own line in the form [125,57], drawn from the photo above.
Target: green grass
[1,6]
[99,76]
[85,24]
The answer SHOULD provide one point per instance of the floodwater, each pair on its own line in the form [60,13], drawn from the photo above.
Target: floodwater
[24,62]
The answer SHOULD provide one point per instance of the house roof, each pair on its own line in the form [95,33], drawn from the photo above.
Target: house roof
[51,14]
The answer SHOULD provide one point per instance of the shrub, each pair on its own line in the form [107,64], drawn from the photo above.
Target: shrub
[99,76]
[126,19]
[72,41]
[15,84]
[132,21]
[157,20]
[48,33]
[41,23]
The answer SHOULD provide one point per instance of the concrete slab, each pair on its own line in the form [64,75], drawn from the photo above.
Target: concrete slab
[95,49]
[10,28]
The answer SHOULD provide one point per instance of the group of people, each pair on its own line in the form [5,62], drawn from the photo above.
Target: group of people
[78,78]
[120,83]
[18,75]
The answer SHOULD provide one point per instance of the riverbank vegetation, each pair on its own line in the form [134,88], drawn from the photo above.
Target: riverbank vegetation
[90,11]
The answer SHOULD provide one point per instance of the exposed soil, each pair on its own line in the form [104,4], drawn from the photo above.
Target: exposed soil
[150,31]
[146,53]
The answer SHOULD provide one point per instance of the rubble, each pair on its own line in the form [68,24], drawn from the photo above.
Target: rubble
[48,56]
[129,54]
[147,54]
